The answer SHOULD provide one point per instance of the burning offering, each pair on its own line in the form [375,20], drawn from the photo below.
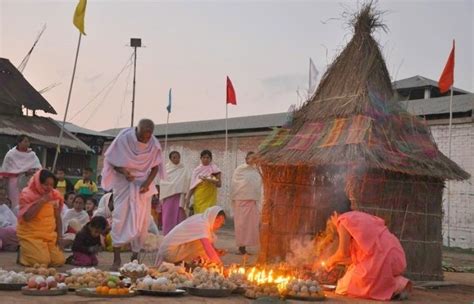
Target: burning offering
[204,278]
[175,274]
[304,289]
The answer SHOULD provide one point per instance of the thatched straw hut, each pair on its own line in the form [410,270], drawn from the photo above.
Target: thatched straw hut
[351,138]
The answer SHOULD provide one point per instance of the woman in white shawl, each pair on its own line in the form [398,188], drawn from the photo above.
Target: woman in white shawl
[8,222]
[173,191]
[193,238]
[20,163]
[246,194]
[205,180]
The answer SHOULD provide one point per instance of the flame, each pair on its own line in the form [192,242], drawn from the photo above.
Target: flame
[264,276]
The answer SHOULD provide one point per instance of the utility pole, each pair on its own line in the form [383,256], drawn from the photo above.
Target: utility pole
[135,43]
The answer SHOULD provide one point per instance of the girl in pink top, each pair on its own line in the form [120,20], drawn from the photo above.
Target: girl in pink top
[375,258]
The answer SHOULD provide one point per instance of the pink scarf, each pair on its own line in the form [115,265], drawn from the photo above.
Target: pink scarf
[33,192]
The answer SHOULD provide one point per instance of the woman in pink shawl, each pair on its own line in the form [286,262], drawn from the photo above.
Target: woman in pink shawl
[375,258]
[205,180]
[39,227]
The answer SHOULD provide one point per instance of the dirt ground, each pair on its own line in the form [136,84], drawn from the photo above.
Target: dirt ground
[462,290]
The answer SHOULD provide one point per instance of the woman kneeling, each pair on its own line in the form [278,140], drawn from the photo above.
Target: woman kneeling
[39,227]
[193,238]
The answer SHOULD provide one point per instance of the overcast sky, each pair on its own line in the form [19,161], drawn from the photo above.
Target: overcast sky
[190,46]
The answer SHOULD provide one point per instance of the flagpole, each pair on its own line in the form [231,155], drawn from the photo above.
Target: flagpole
[226,154]
[166,132]
[309,78]
[61,133]
[449,156]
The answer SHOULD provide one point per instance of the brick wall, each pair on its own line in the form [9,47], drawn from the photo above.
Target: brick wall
[461,219]
[461,211]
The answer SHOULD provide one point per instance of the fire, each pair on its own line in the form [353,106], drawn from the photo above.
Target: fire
[263,277]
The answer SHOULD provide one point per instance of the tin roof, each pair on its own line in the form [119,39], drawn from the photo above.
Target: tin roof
[16,91]
[41,130]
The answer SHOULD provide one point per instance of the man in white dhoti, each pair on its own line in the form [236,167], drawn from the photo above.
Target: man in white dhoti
[131,163]
[19,164]
[246,194]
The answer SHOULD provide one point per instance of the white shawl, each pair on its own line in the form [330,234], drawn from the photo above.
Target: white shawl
[103,207]
[17,162]
[177,180]
[201,171]
[246,183]
[139,158]
[7,218]
[82,218]
[196,227]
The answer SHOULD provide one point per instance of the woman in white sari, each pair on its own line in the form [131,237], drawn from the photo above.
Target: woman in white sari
[20,163]
[173,191]
[193,238]
[246,194]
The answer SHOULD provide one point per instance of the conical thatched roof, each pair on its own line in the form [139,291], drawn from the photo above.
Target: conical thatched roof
[352,118]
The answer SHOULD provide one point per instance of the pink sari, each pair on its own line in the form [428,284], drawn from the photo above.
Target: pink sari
[378,259]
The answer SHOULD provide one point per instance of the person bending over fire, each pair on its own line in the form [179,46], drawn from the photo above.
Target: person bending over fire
[374,256]
[193,239]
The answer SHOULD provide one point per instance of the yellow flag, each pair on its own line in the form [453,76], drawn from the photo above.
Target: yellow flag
[79,15]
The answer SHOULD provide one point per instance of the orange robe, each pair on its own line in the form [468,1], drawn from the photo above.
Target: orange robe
[378,259]
[37,238]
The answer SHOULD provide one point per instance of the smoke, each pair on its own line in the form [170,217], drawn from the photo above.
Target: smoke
[306,251]
[302,252]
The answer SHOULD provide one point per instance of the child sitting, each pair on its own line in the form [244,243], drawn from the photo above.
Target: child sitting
[73,220]
[91,206]
[87,243]
[86,186]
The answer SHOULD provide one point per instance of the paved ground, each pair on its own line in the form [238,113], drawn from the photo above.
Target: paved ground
[461,293]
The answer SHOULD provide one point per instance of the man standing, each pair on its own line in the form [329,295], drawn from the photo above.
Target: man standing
[246,193]
[130,166]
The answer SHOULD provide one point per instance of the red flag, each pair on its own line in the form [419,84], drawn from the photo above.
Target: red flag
[447,77]
[230,93]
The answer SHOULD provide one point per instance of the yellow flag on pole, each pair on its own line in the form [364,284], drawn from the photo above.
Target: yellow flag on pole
[79,15]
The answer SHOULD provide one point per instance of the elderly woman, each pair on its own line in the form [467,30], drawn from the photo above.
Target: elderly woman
[374,256]
[193,238]
[39,228]
[205,180]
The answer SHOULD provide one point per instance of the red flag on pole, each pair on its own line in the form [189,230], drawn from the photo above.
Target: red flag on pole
[447,77]
[230,93]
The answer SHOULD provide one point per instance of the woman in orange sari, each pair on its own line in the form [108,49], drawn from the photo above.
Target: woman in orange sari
[39,227]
